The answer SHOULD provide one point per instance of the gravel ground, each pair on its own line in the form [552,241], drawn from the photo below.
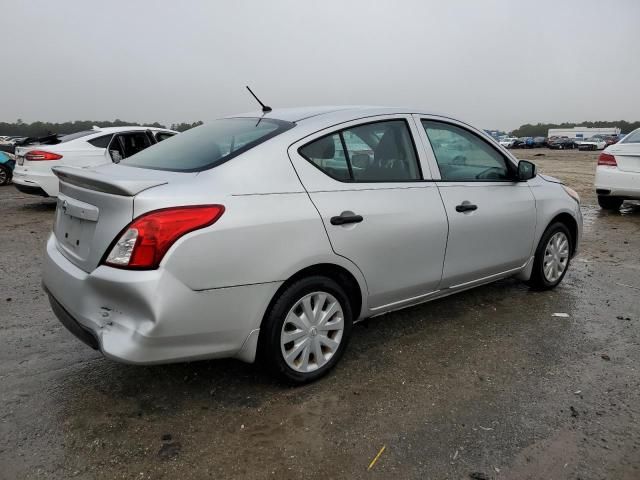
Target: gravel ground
[486,382]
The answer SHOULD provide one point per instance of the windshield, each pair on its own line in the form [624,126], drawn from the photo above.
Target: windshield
[633,137]
[208,145]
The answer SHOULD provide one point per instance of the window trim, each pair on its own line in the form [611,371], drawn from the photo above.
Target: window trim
[352,180]
[507,159]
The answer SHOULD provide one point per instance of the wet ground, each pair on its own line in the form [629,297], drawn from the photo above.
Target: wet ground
[486,382]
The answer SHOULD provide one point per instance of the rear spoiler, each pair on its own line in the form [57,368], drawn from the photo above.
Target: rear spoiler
[99,182]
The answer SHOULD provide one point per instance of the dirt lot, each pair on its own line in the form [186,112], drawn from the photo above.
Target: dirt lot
[487,381]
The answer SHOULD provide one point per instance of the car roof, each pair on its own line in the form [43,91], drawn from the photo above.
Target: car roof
[126,129]
[319,113]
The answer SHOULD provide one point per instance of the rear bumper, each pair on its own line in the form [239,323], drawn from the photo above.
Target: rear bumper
[148,317]
[30,189]
[35,183]
[84,334]
[619,183]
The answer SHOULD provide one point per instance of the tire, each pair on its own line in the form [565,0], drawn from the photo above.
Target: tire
[287,315]
[610,203]
[5,175]
[548,244]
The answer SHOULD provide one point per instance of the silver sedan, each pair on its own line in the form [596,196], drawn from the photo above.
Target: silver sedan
[268,235]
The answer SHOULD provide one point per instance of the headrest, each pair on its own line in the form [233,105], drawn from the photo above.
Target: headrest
[324,148]
[388,148]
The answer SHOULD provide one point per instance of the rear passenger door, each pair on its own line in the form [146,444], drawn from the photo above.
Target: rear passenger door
[492,216]
[366,180]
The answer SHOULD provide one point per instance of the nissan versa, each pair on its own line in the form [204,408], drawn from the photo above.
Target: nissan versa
[267,235]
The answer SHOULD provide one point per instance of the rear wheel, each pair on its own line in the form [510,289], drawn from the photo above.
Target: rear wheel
[610,203]
[5,175]
[552,257]
[306,330]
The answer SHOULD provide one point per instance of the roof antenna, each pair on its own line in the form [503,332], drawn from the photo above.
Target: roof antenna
[265,108]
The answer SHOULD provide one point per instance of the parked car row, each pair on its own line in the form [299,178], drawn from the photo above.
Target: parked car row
[596,142]
[34,160]
[10,140]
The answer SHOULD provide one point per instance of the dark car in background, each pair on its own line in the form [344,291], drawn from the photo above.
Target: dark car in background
[539,142]
[562,143]
[522,142]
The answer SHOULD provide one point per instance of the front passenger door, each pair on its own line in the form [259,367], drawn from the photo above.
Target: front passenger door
[492,217]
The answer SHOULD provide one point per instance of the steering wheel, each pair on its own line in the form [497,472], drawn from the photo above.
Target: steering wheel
[491,173]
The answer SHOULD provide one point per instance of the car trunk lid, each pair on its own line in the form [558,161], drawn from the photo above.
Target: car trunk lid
[95,205]
[627,156]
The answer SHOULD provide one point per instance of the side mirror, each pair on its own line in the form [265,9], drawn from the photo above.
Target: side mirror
[526,171]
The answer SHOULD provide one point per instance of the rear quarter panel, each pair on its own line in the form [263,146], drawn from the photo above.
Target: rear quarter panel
[270,229]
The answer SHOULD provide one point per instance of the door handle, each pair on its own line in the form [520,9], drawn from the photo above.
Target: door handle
[466,207]
[344,219]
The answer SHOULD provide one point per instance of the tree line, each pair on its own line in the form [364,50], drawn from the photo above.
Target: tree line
[40,129]
[541,129]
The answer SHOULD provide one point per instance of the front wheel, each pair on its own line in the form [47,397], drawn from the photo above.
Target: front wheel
[610,203]
[552,257]
[5,175]
[306,331]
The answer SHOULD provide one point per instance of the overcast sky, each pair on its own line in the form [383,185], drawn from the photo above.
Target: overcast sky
[497,64]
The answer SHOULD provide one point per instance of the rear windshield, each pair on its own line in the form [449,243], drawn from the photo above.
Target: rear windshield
[73,136]
[633,137]
[208,145]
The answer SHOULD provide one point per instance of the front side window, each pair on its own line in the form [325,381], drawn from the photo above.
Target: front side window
[208,145]
[373,152]
[463,156]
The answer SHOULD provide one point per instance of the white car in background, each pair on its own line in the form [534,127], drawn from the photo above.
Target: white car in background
[618,172]
[89,148]
[593,143]
[508,142]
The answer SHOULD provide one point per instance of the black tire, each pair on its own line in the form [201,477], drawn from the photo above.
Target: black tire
[5,175]
[269,348]
[538,280]
[610,203]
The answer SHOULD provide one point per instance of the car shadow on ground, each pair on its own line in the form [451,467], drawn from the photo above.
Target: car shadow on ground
[231,383]
[46,205]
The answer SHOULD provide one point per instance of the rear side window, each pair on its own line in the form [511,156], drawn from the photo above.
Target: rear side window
[101,142]
[208,145]
[373,152]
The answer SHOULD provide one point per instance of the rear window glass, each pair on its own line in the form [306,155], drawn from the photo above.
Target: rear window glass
[208,145]
[633,137]
[73,136]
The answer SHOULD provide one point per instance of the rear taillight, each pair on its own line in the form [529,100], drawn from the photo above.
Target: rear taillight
[143,244]
[607,159]
[41,155]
